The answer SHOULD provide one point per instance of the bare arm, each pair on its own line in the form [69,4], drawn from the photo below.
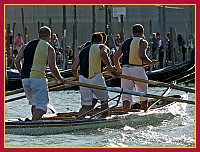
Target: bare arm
[52,64]
[142,52]
[18,58]
[105,58]
[75,67]
[116,58]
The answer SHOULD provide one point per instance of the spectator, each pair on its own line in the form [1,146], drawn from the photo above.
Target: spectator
[154,45]
[181,45]
[18,42]
[69,52]
[118,41]
[160,49]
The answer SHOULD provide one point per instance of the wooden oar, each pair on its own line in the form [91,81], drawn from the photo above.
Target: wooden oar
[56,88]
[142,94]
[50,84]
[165,93]
[15,98]
[156,83]
[8,93]
[51,108]
[59,87]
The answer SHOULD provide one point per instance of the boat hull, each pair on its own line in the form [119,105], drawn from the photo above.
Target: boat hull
[53,126]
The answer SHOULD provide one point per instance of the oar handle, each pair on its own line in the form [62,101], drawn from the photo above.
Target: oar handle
[85,85]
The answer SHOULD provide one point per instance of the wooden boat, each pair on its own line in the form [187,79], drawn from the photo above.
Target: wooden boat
[66,122]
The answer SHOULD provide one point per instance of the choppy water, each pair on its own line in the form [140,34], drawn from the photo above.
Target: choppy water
[175,132]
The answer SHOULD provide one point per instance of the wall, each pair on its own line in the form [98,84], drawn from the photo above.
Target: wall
[179,17]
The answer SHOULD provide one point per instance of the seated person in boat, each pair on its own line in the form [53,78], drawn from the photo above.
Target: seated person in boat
[89,60]
[133,54]
[36,54]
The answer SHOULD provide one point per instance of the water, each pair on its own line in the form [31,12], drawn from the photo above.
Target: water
[175,132]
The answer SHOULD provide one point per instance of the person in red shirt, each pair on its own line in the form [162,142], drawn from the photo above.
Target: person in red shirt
[18,42]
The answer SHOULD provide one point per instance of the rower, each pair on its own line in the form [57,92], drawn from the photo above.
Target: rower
[133,53]
[90,59]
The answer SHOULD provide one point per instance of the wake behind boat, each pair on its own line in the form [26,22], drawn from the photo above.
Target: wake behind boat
[66,122]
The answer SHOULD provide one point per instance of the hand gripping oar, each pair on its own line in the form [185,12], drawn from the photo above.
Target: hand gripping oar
[156,83]
[142,94]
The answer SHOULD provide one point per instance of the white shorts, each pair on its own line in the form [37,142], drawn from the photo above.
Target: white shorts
[137,72]
[36,90]
[87,94]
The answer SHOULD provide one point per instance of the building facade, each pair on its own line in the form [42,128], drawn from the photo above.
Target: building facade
[155,18]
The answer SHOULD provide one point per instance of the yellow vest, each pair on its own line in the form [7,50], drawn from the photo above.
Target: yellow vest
[94,60]
[134,52]
[40,60]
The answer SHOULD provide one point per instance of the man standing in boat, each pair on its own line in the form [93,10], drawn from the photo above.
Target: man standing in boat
[133,54]
[36,55]
[89,60]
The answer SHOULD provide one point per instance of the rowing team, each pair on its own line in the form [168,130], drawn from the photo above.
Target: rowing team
[92,56]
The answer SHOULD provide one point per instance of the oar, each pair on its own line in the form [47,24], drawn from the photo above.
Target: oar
[8,93]
[156,83]
[189,76]
[59,87]
[16,98]
[111,89]
[50,84]
[51,108]
[56,88]
[165,93]
[181,74]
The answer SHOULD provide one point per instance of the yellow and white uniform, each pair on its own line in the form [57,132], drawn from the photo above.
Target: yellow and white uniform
[33,73]
[90,72]
[134,69]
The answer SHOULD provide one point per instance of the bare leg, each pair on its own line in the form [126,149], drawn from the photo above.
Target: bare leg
[84,109]
[144,105]
[94,102]
[126,105]
[33,110]
[38,113]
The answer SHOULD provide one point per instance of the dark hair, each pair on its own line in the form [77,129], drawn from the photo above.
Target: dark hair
[44,31]
[157,33]
[168,34]
[138,28]
[96,37]
[104,36]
